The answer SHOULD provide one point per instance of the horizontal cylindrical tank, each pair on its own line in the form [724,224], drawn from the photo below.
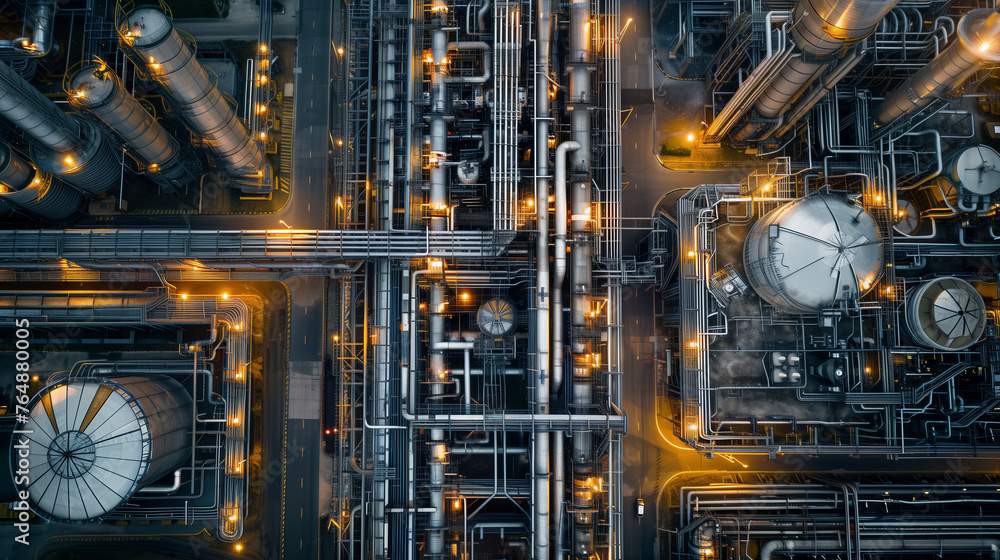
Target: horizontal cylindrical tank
[95,441]
[25,188]
[808,254]
[946,313]
[978,42]
[63,145]
[96,88]
[822,30]
[171,63]
[976,170]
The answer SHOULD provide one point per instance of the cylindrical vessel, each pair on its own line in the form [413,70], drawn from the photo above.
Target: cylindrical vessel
[946,313]
[171,63]
[808,254]
[978,42]
[97,89]
[22,186]
[30,111]
[71,148]
[94,442]
[822,30]
[92,167]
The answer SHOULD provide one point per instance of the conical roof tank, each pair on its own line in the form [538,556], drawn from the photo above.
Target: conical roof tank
[93,442]
[806,255]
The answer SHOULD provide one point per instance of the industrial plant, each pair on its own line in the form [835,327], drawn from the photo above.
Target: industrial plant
[528,279]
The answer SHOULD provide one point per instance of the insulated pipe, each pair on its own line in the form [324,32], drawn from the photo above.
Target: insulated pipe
[96,88]
[560,263]
[481,17]
[171,63]
[876,544]
[487,62]
[978,43]
[823,30]
[164,489]
[540,475]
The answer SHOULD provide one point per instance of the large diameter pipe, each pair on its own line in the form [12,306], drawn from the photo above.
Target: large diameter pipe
[822,30]
[978,43]
[541,456]
[884,544]
[171,63]
[97,89]
[560,262]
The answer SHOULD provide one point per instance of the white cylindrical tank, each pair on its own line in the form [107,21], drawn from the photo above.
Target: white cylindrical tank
[95,441]
[976,170]
[946,313]
[806,255]
[96,88]
[26,188]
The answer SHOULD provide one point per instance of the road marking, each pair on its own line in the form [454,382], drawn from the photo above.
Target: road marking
[303,454]
[302,483]
[310,129]
[637,145]
[301,513]
[635,56]
[303,422]
[310,103]
[310,179]
[309,206]
[300,540]
[305,310]
[310,153]
[304,339]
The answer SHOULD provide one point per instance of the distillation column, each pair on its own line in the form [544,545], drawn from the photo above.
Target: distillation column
[22,186]
[64,145]
[97,89]
[978,42]
[580,102]
[437,375]
[171,62]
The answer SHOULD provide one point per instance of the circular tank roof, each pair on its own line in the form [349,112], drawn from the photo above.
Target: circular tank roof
[89,89]
[149,26]
[808,254]
[88,448]
[946,313]
[977,168]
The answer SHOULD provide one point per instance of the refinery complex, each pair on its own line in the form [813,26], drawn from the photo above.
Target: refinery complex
[520,279]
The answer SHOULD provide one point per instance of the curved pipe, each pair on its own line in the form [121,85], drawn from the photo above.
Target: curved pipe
[163,489]
[881,544]
[487,62]
[560,263]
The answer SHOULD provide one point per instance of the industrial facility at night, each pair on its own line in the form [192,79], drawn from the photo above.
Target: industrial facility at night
[525,279]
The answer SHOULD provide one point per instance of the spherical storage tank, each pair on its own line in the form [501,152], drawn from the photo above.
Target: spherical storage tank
[808,254]
[94,442]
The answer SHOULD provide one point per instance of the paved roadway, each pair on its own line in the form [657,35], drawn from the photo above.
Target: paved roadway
[293,506]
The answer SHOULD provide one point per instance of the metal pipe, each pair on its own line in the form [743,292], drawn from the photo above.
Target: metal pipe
[560,261]
[541,454]
[164,489]
[41,16]
[881,544]
[487,62]
[978,42]
[821,30]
